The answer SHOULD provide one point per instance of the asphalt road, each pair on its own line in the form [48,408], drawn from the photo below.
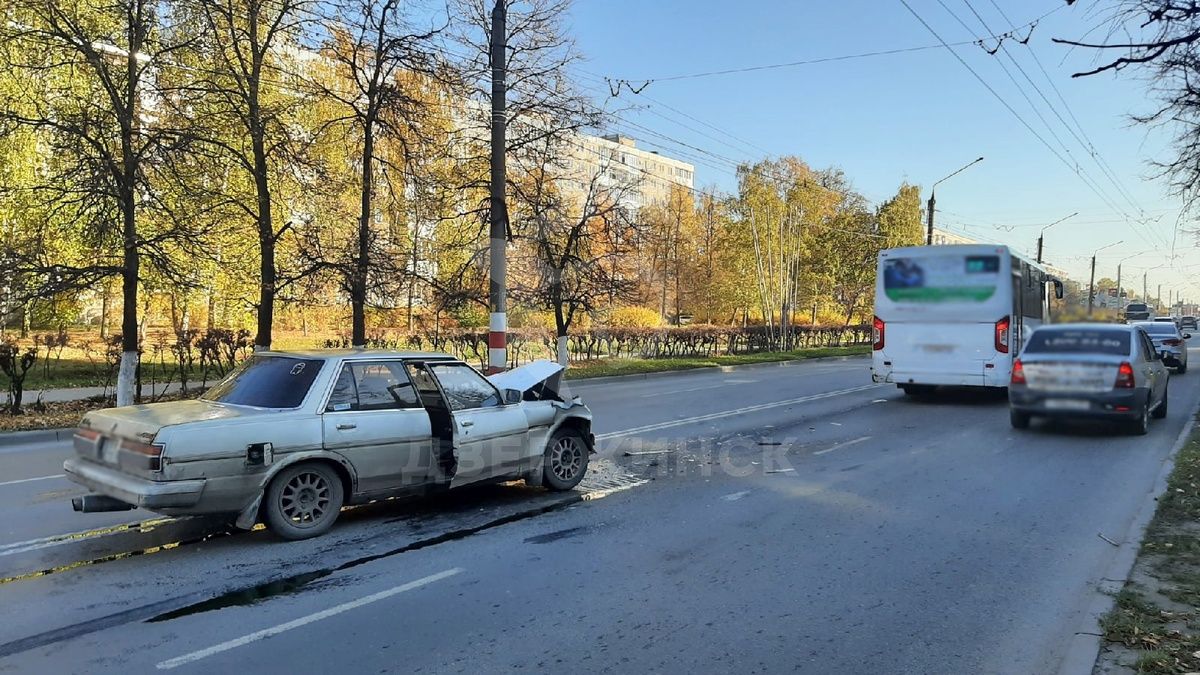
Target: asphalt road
[790,518]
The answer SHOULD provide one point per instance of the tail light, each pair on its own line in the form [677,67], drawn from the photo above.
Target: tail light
[877,327]
[1002,333]
[1124,376]
[1018,373]
[1172,342]
[152,453]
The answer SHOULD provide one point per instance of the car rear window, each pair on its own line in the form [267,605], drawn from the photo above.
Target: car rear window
[1159,327]
[267,382]
[1080,341]
[1136,307]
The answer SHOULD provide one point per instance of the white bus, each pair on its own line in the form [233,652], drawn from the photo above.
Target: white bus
[954,315]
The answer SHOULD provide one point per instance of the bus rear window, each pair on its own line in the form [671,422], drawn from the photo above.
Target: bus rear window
[1110,342]
[945,278]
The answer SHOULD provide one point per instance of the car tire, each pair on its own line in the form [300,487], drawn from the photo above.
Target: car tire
[1181,369]
[1018,419]
[1141,425]
[303,501]
[1161,411]
[916,389]
[565,460]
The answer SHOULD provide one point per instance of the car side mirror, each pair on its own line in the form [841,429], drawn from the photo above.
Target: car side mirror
[1187,336]
[512,396]
[1058,289]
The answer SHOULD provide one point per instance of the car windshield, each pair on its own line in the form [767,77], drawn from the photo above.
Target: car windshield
[1088,341]
[267,382]
[1159,328]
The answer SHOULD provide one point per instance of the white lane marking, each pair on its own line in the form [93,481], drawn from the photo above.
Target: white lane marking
[30,480]
[735,496]
[660,394]
[648,452]
[73,537]
[836,424]
[731,413]
[839,446]
[780,470]
[879,400]
[304,620]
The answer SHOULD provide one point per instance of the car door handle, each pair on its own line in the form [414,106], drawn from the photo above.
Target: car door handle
[346,427]
[467,423]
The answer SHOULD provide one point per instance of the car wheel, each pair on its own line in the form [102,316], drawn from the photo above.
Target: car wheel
[1181,369]
[1141,425]
[1019,420]
[1161,411]
[303,501]
[565,460]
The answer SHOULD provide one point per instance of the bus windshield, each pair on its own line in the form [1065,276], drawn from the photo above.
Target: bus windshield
[941,278]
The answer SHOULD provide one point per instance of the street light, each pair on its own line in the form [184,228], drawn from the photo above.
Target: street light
[1119,263]
[932,201]
[1092,281]
[1039,253]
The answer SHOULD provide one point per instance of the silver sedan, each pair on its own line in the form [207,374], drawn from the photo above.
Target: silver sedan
[291,437]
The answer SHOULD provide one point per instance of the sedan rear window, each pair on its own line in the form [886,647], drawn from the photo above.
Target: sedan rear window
[1159,327]
[267,382]
[1094,341]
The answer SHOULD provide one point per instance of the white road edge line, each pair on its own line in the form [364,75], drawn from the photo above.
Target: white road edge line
[30,480]
[731,413]
[839,446]
[304,620]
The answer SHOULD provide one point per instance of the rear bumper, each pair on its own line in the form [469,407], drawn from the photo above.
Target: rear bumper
[991,377]
[141,492]
[1114,404]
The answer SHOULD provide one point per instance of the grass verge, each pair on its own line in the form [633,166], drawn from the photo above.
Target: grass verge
[609,367]
[1154,627]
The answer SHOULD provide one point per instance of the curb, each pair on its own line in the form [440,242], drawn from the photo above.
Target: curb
[704,369]
[1083,649]
[15,438]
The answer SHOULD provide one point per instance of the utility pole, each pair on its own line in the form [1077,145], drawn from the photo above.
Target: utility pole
[497,210]
[1092,286]
[1145,294]
[1158,298]
[1042,234]
[929,218]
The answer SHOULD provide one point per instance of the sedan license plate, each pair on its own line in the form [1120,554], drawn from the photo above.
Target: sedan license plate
[1067,404]
[109,449]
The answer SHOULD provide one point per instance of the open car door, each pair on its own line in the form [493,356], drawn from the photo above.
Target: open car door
[488,437]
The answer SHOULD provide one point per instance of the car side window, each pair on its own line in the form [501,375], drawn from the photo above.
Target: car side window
[465,389]
[1147,346]
[381,385]
[345,394]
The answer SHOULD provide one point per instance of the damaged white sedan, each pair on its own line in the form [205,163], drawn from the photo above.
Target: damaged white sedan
[291,437]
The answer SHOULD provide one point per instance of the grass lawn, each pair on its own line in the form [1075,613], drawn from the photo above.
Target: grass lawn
[608,367]
[1155,625]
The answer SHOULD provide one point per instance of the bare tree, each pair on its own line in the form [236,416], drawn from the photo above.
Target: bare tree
[380,64]
[570,227]
[1162,39]
[96,69]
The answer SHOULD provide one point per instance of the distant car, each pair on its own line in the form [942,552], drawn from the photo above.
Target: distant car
[1169,341]
[1089,371]
[292,436]
[1165,319]
[1137,311]
[1188,322]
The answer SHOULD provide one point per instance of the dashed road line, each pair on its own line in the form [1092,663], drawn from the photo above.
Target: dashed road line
[30,480]
[305,620]
[732,413]
[839,446]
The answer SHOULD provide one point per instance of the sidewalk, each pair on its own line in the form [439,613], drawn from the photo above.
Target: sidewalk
[81,393]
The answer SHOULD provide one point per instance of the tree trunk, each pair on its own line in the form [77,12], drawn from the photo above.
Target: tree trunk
[561,326]
[105,295]
[266,245]
[358,284]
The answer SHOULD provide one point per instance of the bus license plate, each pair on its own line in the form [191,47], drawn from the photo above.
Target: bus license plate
[1067,404]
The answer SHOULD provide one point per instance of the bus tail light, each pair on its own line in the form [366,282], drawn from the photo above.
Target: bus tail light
[1172,342]
[877,328]
[1002,334]
[1018,373]
[1124,376]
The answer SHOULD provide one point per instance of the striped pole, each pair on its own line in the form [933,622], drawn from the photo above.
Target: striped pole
[498,212]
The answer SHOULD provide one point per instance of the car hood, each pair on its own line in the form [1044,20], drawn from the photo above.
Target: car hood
[528,376]
[143,422]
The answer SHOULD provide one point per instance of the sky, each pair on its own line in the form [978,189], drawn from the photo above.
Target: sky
[914,116]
